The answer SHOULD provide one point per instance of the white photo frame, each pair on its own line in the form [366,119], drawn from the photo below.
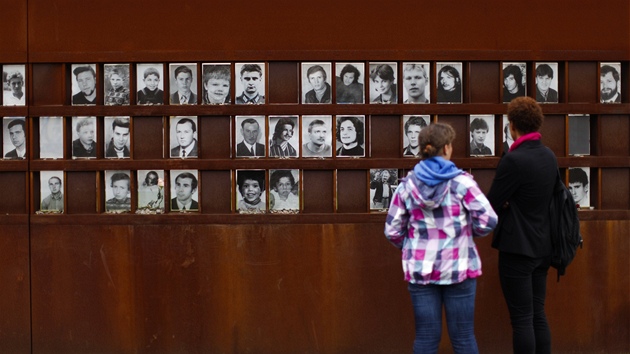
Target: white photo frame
[383,82]
[117,191]
[449,82]
[185,185]
[506,135]
[481,143]
[15,145]
[250,83]
[316,87]
[610,82]
[117,137]
[116,84]
[350,135]
[14,86]
[151,188]
[579,134]
[84,134]
[183,84]
[150,84]
[411,127]
[317,136]
[184,137]
[251,194]
[216,83]
[84,82]
[514,81]
[249,136]
[579,186]
[51,139]
[383,184]
[284,190]
[546,77]
[284,136]
[51,191]
[416,81]
[350,83]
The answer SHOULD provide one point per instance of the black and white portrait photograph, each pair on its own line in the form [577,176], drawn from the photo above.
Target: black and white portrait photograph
[610,82]
[83,84]
[482,135]
[350,80]
[579,178]
[383,84]
[84,137]
[350,136]
[14,138]
[547,82]
[514,81]
[250,83]
[216,83]
[150,84]
[416,82]
[317,136]
[51,191]
[383,184]
[506,135]
[118,191]
[412,125]
[449,81]
[117,137]
[51,140]
[284,190]
[116,84]
[151,189]
[250,136]
[14,88]
[315,85]
[579,134]
[251,192]
[183,83]
[184,190]
[283,136]
[183,137]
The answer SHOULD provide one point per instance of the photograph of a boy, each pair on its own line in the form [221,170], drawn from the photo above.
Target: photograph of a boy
[84,84]
[116,84]
[412,125]
[151,189]
[481,136]
[514,81]
[117,195]
[546,86]
[51,191]
[149,83]
[183,86]
[84,137]
[250,86]
[284,191]
[117,138]
[284,140]
[383,87]
[14,138]
[183,137]
[184,190]
[251,188]
[349,82]
[248,136]
[316,136]
[315,86]
[14,91]
[578,186]
[416,82]
[216,83]
[383,183]
[51,137]
[579,134]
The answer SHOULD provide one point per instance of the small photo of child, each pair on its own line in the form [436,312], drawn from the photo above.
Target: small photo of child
[149,83]
[216,83]
[251,188]
[117,194]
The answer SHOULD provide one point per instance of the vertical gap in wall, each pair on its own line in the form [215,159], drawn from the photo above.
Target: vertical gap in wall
[30,207]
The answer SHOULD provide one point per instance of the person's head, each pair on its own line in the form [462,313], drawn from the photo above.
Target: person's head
[151,78]
[251,77]
[349,74]
[350,130]
[284,129]
[116,78]
[437,140]
[415,81]
[413,126]
[525,116]
[86,79]
[250,130]
[86,130]
[185,186]
[151,179]
[183,78]
[449,78]
[608,82]
[251,184]
[506,131]
[54,184]
[17,132]
[120,185]
[578,184]
[185,131]
[382,76]
[317,132]
[544,76]
[120,132]
[386,176]
[512,78]
[15,80]
[317,77]
[216,82]
[282,181]
[478,130]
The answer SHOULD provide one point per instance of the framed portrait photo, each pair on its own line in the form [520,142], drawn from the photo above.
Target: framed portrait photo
[14,88]
[284,136]
[610,82]
[183,137]
[250,83]
[83,84]
[117,137]
[416,82]
[411,126]
[14,138]
[284,190]
[383,184]
[250,191]
[315,83]
[216,83]
[184,190]
[514,81]
[51,191]
[150,84]
[579,186]
[579,134]
[383,83]
[117,191]
[84,132]
[317,136]
[116,85]
[482,135]
[349,83]
[51,137]
[151,184]
[547,82]
[350,134]
[449,82]
[249,136]
[183,84]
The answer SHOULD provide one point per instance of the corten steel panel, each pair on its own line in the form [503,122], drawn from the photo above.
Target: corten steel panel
[615,189]
[15,195]
[283,82]
[553,133]
[485,82]
[14,31]
[47,87]
[216,192]
[81,192]
[583,82]
[352,191]
[385,137]
[215,137]
[317,191]
[614,135]
[461,144]
[148,137]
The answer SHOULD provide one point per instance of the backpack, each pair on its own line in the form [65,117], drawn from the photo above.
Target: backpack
[565,227]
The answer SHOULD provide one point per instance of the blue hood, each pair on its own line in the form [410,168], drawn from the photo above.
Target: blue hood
[435,170]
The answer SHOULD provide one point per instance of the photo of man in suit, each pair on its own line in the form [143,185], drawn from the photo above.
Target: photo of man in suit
[183,93]
[250,131]
[185,132]
[17,135]
[184,187]
[544,79]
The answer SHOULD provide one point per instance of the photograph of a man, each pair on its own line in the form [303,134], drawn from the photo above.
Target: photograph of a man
[15,96]
[479,133]
[578,185]
[84,135]
[283,135]
[52,187]
[84,87]
[184,188]
[149,84]
[16,129]
[545,84]
[514,75]
[247,137]
[449,82]
[250,83]
[411,137]
[318,136]
[117,145]
[183,86]
[184,137]
[416,82]
[315,88]
[609,83]
[118,198]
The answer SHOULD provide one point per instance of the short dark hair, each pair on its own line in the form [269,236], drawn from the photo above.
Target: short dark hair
[57,178]
[414,120]
[277,132]
[249,121]
[219,72]
[84,68]
[256,175]
[151,71]
[358,126]
[120,122]
[251,68]
[609,69]
[120,176]
[525,114]
[193,184]
[349,68]
[315,68]
[544,70]
[514,71]
[187,120]
[578,175]
[278,174]
[183,69]
[15,122]
[478,123]
[149,181]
